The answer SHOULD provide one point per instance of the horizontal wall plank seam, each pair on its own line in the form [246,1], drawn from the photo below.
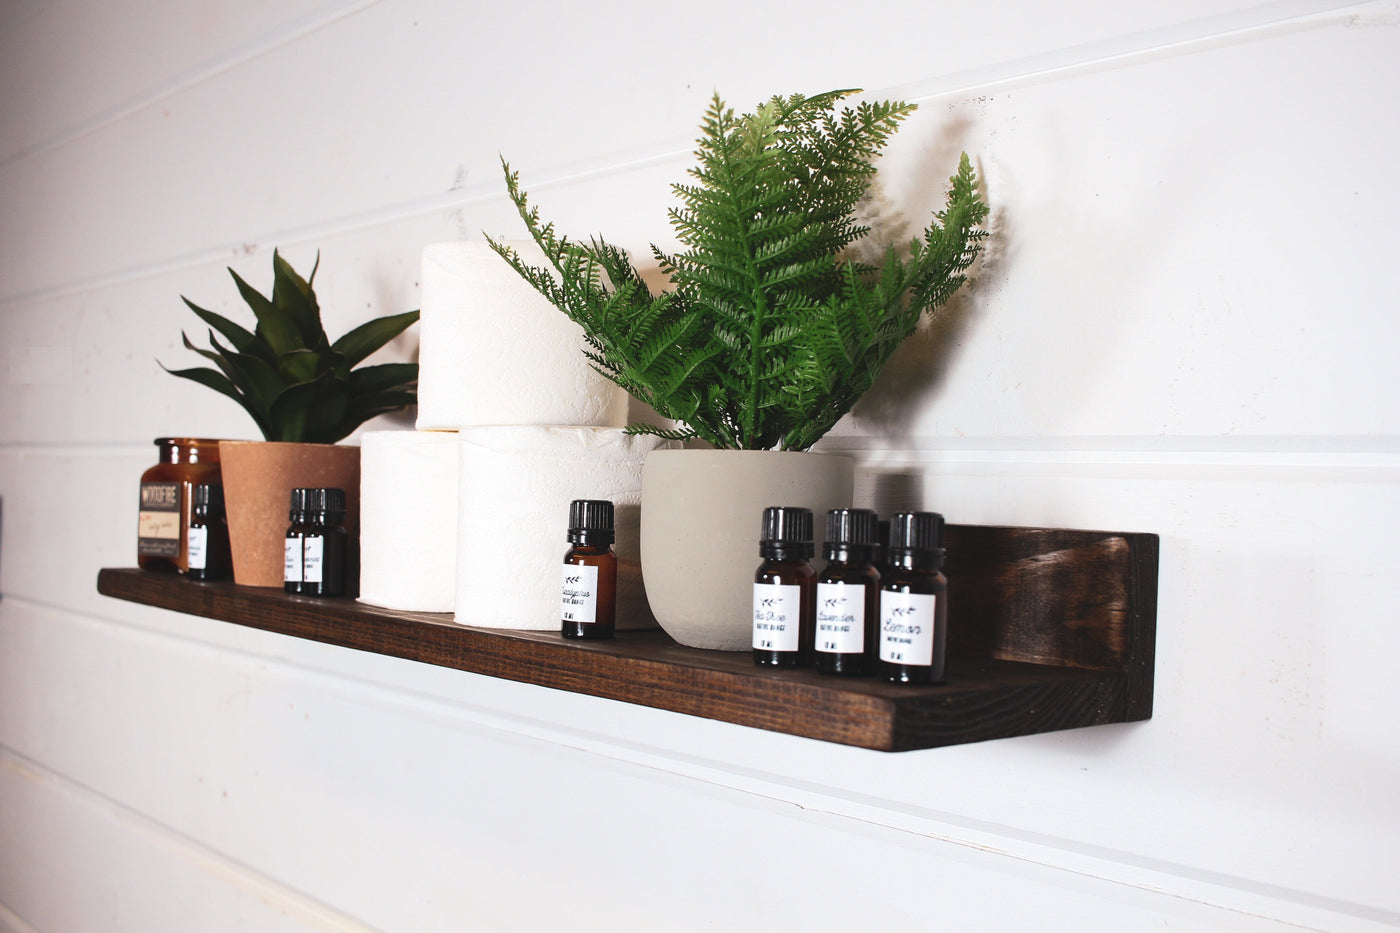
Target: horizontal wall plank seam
[242,55]
[11,922]
[1109,865]
[290,901]
[1181,39]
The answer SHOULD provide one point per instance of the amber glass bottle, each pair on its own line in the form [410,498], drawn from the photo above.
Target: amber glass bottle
[784,589]
[913,601]
[294,562]
[325,544]
[589,595]
[167,498]
[208,535]
[848,595]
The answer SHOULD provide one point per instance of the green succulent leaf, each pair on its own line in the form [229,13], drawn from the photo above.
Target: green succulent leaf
[293,297]
[279,330]
[365,339]
[368,380]
[312,411]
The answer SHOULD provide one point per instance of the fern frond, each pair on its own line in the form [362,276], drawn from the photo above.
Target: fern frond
[769,332]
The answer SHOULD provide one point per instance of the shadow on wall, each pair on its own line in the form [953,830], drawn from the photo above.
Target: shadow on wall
[922,364]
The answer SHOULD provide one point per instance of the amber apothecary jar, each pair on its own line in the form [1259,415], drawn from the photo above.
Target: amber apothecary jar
[167,497]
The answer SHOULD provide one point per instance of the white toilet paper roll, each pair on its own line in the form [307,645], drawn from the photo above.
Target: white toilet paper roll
[493,351]
[516,486]
[408,519]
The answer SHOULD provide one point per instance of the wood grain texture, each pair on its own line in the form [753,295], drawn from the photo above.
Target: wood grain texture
[986,696]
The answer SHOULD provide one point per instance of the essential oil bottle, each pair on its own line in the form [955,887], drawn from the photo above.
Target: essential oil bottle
[589,596]
[325,546]
[293,563]
[913,601]
[209,557]
[848,595]
[784,589]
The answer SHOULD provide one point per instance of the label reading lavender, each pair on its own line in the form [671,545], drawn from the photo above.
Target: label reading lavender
[580,594]
[198,546]
[841,618]
[291,561]
[777,616]
[906,628]
[158,533]
[311,563]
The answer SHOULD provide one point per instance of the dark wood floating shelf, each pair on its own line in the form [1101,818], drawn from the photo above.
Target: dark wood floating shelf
[1048,629]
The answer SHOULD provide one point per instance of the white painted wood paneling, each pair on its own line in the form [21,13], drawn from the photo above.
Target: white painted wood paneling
[1180,328]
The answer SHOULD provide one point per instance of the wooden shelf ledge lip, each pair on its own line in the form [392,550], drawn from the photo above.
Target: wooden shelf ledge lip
[1065,641]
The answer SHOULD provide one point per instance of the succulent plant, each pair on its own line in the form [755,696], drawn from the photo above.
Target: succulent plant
[286,373]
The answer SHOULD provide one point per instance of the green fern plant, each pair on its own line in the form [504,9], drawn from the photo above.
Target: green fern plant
[286,373]
[770,331]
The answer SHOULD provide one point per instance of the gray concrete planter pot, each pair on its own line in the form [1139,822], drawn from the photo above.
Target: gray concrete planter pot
[701,511]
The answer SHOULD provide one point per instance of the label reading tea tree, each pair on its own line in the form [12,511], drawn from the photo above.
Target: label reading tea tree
[198,546]
[158,531]
[580,594]
[777,616]
[841,618]
[906,628]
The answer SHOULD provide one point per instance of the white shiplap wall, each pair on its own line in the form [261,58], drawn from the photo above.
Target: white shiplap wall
[1183,326]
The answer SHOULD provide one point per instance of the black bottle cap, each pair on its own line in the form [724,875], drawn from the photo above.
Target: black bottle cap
[786,533]
[299,501]
[850,526]
[786,525]
[591,521]
[209,497]
[919,531]
[329,502]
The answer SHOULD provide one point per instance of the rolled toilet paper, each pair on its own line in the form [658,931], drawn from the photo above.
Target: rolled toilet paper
[408,519]
[493,351]
[516,486]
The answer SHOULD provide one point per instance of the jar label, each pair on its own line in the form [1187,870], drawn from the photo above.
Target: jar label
[777,616]
[841,618]
[198,546]
[580,595]
[312,549]
[906,628]
[158,531]
[291,563]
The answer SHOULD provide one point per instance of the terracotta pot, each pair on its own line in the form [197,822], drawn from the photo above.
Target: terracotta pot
[701,512]
[259,477]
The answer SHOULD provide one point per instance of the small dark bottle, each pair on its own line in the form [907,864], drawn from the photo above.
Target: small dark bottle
[293,569]
[913,602]
[784,590]
[848,595]
[882,547]
[208,535]
[589,595]
[324,547]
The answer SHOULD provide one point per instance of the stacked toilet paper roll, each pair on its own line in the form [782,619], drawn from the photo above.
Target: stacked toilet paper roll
[493,351]
[408,519]
[516,483]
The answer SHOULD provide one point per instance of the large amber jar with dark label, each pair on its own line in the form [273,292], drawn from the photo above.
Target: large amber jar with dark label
[167,497]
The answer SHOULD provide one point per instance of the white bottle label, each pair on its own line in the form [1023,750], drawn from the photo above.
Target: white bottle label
[777,616]
[906,628]
[311,550]
[580,594]
[291,565]
[198,542]
[841,618]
